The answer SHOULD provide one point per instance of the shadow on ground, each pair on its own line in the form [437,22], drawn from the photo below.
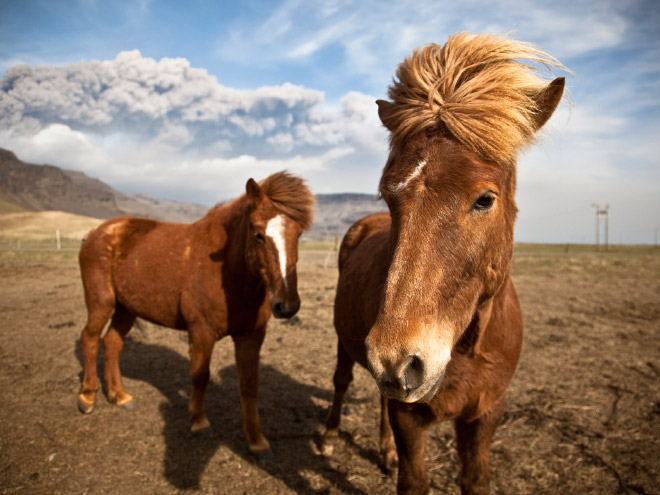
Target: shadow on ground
[289,415]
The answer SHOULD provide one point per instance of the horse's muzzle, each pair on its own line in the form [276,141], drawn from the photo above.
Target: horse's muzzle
[400,381]
[284,309]
[408,370]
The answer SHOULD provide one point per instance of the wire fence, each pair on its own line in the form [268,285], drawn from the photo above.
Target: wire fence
[29,244]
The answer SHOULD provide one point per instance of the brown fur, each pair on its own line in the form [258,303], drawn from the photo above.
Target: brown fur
[425,299]
[216,277]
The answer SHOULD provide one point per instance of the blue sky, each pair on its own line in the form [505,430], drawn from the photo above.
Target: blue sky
[187,102]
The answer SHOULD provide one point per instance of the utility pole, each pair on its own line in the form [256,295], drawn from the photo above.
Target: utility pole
[602,211]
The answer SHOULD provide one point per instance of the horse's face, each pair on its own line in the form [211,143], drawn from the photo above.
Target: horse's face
[450,247]
[272,252]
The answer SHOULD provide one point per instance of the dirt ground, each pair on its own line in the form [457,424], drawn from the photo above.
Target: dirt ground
[583,409]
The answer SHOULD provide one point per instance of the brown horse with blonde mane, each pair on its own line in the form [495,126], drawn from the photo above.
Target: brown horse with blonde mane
[425,299]
[222,275]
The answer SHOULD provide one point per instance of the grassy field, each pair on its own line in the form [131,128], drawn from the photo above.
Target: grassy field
[574,249]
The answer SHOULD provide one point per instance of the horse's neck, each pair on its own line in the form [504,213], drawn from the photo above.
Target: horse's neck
[227,225]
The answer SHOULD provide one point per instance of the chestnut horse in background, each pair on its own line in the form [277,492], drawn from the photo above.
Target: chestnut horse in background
[425,299]
[221,275]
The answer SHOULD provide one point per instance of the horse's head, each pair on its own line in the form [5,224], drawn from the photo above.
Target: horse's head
[450,245]
[272,240]
[451,242]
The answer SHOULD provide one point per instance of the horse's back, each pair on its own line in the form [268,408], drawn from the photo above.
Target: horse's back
[359,231]
[363,257]
[136,262]
[112,234]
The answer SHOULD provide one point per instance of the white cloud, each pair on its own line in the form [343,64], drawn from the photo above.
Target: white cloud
[122,161]
[134,115]
[170,130]
[282,141]
[146,96]
[173,130]
[72,148]
[590,157]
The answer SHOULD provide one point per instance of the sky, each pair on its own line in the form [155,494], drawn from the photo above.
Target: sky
[186,101]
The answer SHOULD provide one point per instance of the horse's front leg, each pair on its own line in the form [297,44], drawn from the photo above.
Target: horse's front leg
[387,445]
[247,346]
[341,380]
[409,423]
[201,340]
[473,439]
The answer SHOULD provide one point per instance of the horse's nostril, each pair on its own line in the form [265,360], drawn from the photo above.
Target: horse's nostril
[415,363]
[284,310]
[413,373]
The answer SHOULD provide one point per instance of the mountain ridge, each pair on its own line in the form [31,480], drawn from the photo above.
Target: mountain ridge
[30,187]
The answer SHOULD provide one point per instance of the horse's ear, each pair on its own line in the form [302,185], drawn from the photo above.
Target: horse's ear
[253,190]
[385,109]
[547,101]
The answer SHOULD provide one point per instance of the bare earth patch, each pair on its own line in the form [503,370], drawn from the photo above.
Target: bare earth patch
[583,415]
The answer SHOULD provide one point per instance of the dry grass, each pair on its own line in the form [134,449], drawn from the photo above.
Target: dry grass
[583,408]
[40,225]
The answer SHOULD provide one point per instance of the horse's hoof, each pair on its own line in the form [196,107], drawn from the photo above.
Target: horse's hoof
[129,406]
[327,449]
[203,433]
[328,440]
[125,401]
[266,455]
[84,406]
[390,461]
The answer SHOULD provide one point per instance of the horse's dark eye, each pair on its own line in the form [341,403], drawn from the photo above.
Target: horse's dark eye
[484,202]
[259,237]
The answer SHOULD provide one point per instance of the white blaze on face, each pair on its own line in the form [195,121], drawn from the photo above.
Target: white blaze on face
[275,230]
[403,184]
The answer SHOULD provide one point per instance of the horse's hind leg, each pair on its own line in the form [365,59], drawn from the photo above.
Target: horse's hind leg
[201,341]
[99,310]
[113,342]
[342,379]
[473,439]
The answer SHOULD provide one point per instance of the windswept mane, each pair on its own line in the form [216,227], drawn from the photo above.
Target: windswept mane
[290,196]
[481,87]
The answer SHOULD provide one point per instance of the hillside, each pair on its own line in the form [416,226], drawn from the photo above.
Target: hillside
[335,213]
[45,187]
[28,187]
[9,207]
